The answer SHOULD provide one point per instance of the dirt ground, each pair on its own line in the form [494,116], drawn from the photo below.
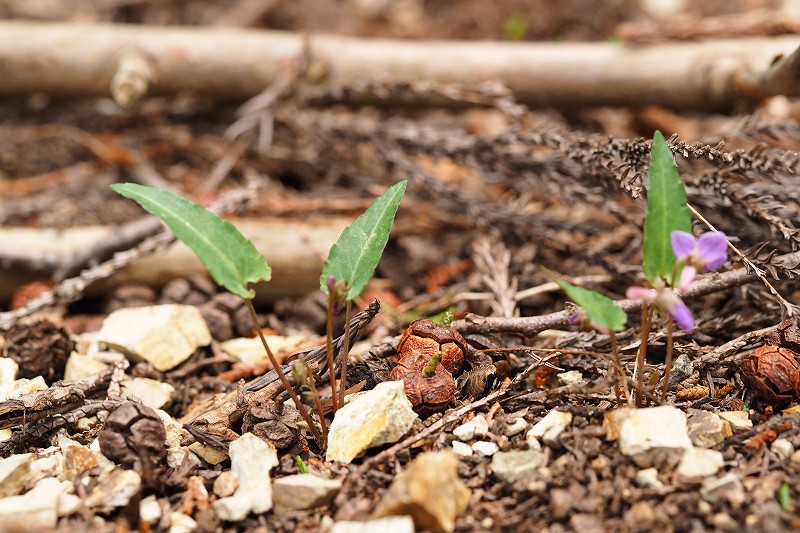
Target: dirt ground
[492,197]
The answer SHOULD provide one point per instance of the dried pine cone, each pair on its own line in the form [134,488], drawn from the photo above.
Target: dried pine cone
[134,437]
[40,349]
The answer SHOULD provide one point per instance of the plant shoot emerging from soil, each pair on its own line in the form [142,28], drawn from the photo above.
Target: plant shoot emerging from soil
[234,263]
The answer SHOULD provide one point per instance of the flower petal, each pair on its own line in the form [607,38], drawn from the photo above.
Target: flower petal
[687,277]
[574,319]
[713,248]
[682,316]
[683,243]
[640,293]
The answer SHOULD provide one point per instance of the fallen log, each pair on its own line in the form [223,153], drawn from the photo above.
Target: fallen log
[130,62]
[295,250]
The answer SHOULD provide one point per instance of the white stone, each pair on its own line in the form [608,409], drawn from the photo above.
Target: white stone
[181,523]
[68,504]
[163,335]
[14,474]
[152,393]
[250,350]
[22,386]
[80,366]
[728,487]
[465,431]
[303,491]
[150,509]
[174,430]
[648,477]
[550,427]
[654,435]
[782,448]
[46,465]
[515,465]
[8,371]
[796,457]
[568,378]
[739,420]
[481,426]
[382,416]
[226,484]
[251,461]
[699,462]
[518,425]
[388,524]
[462,448]
[37,510]
[485,448]
[176,455]
[114,490]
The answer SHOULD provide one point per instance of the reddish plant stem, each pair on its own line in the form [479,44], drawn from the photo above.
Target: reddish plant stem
[345,351]
[285,382]
[667,363]
[647,318]
[331,360]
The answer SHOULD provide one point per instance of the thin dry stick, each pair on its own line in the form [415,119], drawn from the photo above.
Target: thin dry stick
[533,325]
[787,306]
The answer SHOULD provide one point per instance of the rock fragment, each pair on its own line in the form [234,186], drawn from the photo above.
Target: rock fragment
[699,463]
[114,490]
[163,335]
[37,510]
[303,491]
[251,461]
[485,448]
[706,429]
[380,416]
[654,436]
[515,465]
[727,487]
[465,431]
[518,425]
[462,449]
[739,420]
[152,393]
[14,472]
[429,490]
[648,477]
[550,427]
[782,448]
[388,524]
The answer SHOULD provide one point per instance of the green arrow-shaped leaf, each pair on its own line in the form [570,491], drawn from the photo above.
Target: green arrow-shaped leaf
[666,212]
[602,310]
[231,259]
[356,254]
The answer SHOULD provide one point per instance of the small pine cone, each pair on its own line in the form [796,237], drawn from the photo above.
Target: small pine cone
[134,437]
[39,348]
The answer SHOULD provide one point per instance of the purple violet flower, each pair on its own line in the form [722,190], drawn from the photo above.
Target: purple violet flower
[668,301]
[706,253]
[581,318]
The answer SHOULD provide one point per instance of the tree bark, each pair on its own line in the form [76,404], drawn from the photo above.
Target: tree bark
[83,60]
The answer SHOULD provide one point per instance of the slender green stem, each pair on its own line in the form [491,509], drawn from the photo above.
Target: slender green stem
[667,363]
[647,317]
[430,367]
[619,370]
[331,360]
[284,381]
[345,351]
